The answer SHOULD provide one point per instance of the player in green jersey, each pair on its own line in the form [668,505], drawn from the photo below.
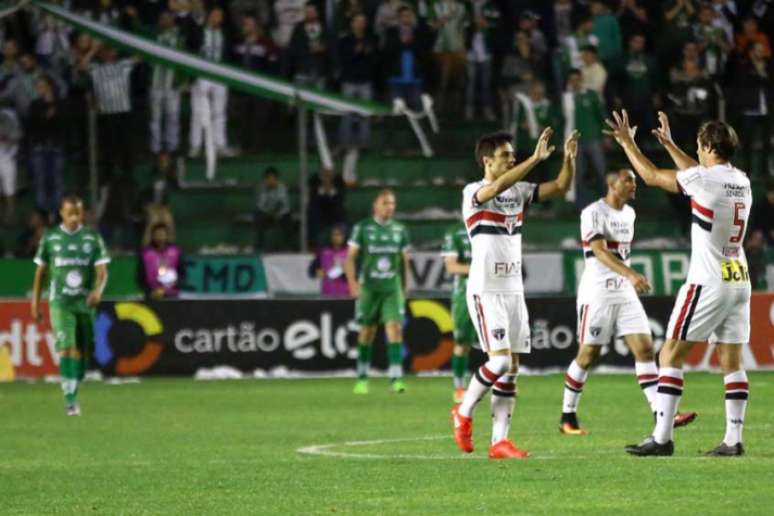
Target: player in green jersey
[382,244]
[76,261]
[456,258]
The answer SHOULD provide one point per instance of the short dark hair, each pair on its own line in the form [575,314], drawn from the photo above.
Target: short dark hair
[72,199]
[271,171]
[719,137]
[487,144]
[589,48]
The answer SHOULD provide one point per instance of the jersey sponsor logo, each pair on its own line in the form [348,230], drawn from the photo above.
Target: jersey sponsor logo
[71,262]
[615,283]
[377,249]
[733,190]
[509,201]
[734,271]
[74,279]
[507,269]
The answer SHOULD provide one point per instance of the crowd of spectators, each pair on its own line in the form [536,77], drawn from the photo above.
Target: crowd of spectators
[523,64]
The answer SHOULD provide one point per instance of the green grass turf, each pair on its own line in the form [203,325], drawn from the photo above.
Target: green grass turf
[230,447]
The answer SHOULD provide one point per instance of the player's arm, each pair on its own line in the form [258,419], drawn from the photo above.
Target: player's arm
[100,282]
[454,267]
[37,284]
[609,260]
[405,271]
[652,175]
[517,173]
[349,269]
[664,136]
[561,185]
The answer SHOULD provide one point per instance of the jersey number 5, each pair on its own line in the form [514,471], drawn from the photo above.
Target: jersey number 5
[739,221]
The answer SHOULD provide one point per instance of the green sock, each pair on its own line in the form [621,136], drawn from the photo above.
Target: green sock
[81,367]
[363,359]
[459,366]
[395,359]
[68,370]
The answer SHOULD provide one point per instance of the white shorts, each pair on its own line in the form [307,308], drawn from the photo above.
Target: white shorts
[501,320]
[599,321]
[704,311]
[7,177]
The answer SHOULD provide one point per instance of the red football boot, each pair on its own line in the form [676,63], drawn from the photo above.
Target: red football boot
[684,418]
[505,449]
[463,430]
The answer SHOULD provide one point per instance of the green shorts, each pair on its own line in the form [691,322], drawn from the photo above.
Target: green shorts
[464,331]
[73,327]
[379,307]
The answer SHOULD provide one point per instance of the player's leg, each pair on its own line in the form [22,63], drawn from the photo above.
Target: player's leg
[735,329]
[366,315]
[488,314]
[85,340]
[172,116]
[197,113]
[392,314]
[219,106]
[504,389]
[63,323]
[595,322]
[464,336]
[156,101]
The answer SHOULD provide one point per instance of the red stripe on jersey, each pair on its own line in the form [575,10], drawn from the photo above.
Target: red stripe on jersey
[491,216]
[670,380]
[737,386]
[575,384]
[683,311]
[701,209]
[647,377]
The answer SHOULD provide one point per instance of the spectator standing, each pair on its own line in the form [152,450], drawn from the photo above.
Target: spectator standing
[752,34]
[328,265]
[583,111]
[10,135]
[162,265]
[534,112]
[255,51]
[712,41]
[10,65]
[528,23]
[46,128]
[633,17]
[402,55]
[326,203]
[752,103]
[608,32]
[357,52]
[448,18]
[165,91]
[570,52]
[52,44]
[691,97]
[563,19]
[676,31]
[519,68]
[110,81]
[272,207]
[480,43]
[638,87]
[594,74]
[387,18]
[346,10]
[307,60]
[287,14]
[21,90]
[209,99]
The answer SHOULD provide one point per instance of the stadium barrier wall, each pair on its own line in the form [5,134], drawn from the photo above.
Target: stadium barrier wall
[314,337]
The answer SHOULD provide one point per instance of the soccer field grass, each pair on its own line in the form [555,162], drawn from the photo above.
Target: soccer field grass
[232,447]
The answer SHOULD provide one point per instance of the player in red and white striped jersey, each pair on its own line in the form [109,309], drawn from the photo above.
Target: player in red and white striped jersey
[714,304]
[608,305]
[493,210]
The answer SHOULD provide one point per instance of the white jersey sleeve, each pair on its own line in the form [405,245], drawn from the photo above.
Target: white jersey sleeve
[690,181]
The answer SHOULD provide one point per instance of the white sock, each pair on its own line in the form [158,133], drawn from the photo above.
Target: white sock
[503,401]
[737,392]
[573,386]
[482,381]
[647,376]
[670,390]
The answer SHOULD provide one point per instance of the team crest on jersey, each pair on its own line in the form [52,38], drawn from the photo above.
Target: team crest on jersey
[510,223]
[498,333]
[57,248]
[86,247]
[595,331]
[74,279]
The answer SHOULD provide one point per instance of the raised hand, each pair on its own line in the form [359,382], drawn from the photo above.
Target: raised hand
[663,134]
[543,150]
[571,145]
[620,129]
